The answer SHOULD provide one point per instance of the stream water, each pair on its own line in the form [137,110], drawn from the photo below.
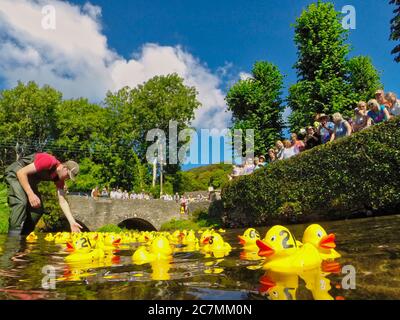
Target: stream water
[369,245]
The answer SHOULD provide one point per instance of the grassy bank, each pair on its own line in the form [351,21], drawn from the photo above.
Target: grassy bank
[198,220]
[4,211]
[355,174]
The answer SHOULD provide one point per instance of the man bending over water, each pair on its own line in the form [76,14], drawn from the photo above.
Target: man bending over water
[23,178]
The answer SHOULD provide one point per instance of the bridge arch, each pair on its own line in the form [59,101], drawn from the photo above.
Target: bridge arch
[137,224]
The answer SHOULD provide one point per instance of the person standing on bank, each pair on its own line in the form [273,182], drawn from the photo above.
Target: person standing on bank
[23,178]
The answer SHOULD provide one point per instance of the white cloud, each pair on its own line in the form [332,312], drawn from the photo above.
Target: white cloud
[76,59]
[244,75]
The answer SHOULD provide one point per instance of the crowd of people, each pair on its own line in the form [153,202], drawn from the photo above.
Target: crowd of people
[326,129]
[120,194]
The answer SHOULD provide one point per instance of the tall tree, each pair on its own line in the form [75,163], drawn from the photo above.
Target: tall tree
[27,119]
[256,104]
[395,28]
[363,77]
[321,65]
[152,105]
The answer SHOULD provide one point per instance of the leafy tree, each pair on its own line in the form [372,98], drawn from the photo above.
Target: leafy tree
[133,112]
[321,65]
[395,28]
[363,77]
[27,119]
[151,106]
[256,104]
[327,81]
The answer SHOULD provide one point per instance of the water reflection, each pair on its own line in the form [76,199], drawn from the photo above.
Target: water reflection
[370,245]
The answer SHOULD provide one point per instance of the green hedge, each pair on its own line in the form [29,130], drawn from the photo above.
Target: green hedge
[354,174]
[4,211]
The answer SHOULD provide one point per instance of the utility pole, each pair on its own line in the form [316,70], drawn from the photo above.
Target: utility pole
[161,169]
[154,171]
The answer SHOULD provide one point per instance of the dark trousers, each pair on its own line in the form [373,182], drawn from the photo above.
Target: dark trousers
[23,218]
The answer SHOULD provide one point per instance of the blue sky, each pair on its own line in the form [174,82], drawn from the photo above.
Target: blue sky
[104,45]
[242,32]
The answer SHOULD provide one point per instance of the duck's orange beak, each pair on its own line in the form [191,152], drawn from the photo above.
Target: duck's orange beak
[242,240]
[70,247]
[328,241]
[116,259]
[266,284]
[265,250]
[181,235]
[206,240]
[266,281]
[116,242]
[331,267]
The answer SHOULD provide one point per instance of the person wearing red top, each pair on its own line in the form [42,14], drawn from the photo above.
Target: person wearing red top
[24,200]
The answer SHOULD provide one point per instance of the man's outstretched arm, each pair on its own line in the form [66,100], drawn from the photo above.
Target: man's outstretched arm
[75,227]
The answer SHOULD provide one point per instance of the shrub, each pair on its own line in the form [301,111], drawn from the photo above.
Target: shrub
[4,211]
[354,174]
[110,228]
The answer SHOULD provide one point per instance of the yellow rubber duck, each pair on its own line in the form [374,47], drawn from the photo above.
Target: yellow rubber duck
[317,236]
[249,238]
[83,257]
[112,240]
[49,237]
[283,255]
[62,237]
[32,237]
[190,238]
[317,283]
[204,235]
[216,244]
[159,249]
[279,286]
[80,244]
[160,270]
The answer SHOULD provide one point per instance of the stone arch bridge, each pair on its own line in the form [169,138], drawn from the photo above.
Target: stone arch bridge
[131,214]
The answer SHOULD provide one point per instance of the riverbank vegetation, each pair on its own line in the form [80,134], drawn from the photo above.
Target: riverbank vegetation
[355,174]
[198,220]
[3,209]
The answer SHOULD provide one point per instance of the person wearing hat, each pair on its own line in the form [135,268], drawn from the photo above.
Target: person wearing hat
[326,128]
[23,178]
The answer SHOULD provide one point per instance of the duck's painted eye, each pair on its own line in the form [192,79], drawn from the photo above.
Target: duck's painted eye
[252,234]
[275,294]
[319,234]
[273,238]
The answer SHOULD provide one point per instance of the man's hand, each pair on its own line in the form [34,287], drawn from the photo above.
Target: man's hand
[34,201]
[75,227]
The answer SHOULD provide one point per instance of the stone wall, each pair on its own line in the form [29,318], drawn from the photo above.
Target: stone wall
[97,213]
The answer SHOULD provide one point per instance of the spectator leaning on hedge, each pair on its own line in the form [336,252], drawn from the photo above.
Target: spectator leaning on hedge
[342,127]
[289,150]
[380,97]
[312,138]
[279,150]
[361,118]
[299,144]
[377,113]
[272,155]
[326,128]
[394,104]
